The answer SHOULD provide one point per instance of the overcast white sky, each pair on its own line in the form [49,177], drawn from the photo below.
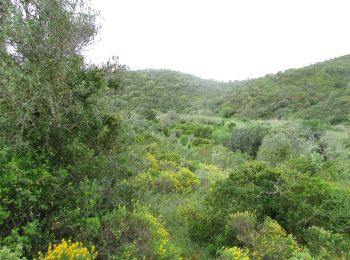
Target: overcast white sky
[222,39]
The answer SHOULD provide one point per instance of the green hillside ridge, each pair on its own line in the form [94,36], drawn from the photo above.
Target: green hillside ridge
[301,93]
[165,90]
[320,91]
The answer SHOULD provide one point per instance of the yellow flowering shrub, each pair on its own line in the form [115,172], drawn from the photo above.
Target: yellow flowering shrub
[136,234]
[68,250]
[166,177]
[242,226]
[234,253]
[153,162]
[267,240]
[188,180]
[167,182]
[209,174]
[181,181]
[148,237]
[160,235]
[273,242]
[144,181]
[271,228]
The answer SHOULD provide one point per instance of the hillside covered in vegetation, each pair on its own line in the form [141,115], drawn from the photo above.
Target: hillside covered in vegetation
[100,162]
[294,93]
[165,90]
[320,91]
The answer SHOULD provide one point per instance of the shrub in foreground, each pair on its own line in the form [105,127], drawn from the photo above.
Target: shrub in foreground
[68,250]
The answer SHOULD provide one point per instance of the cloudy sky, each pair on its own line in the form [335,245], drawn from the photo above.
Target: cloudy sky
[222,39]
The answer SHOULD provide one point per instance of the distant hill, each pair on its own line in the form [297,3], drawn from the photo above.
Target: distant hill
[164,90]
[320,91]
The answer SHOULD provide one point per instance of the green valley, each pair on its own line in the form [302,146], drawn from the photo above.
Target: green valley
[102,162]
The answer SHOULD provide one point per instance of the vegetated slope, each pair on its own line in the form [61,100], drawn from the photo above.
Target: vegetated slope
[74,166]
[165,90]
[320,91]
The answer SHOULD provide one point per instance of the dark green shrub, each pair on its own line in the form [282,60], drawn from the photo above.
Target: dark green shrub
[221,136]
[227,111]
[186,128]
[231,125]
[203,131]
[296,200]
[200,141]
[338,119]
[183,140]
[28,191]
[150,114]
[248,139]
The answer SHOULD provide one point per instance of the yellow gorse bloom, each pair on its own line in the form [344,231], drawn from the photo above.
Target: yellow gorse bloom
[68,251]
[235,253]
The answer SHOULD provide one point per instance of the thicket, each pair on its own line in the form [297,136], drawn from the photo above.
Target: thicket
[151,164]
[302,93]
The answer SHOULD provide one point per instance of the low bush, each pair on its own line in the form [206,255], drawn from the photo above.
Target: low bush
[227,111]
[133,235]
[264,240]
[326,244]
[198,141]
[248,139]
[277,148]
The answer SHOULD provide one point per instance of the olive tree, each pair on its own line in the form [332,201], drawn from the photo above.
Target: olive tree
[49,95]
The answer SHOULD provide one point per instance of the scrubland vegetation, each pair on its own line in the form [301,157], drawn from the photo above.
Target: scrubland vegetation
[107,163]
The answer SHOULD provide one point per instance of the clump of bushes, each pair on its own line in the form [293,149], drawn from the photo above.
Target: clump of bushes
[297,200]
[266,240]
[198,141]
[167,181]
[133,235]
[221,136]
[327,244]
[248,139]
[227,111]
[169,177]
[169,119]
[277,148]
[203,131]
[198,130]
[9,254]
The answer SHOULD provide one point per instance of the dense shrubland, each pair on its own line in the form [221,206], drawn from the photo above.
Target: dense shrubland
[302,93]
[158,164]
